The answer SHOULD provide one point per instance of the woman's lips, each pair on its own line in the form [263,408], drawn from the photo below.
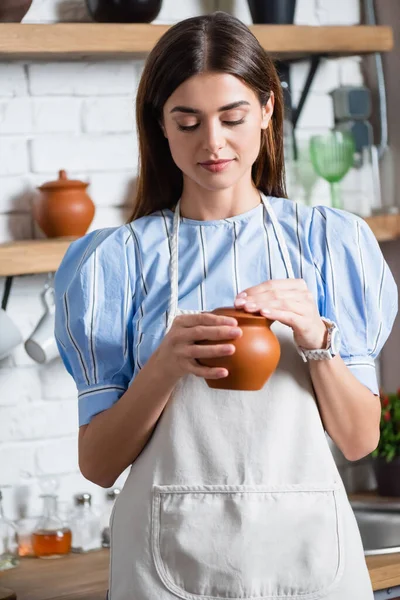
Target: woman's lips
[216,166]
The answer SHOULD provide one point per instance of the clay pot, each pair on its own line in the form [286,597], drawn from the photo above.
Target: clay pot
[124,11]
[13,11]
[256,357]
[63,208]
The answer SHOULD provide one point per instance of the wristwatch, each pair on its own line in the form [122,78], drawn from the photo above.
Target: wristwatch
[332,345]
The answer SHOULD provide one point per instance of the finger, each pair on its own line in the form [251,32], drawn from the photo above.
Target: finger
[274,295]
[209,332]
[283,284]
[293,320]
[208,372]
[291,305]
[205,318]
[296,308]
[199,351]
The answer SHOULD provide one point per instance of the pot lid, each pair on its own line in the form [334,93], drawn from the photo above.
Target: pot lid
[63,182]
[237,313]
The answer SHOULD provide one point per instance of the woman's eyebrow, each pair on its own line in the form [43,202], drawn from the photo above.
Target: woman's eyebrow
[194,111]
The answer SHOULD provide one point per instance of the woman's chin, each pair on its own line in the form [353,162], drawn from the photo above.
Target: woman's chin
[216,182]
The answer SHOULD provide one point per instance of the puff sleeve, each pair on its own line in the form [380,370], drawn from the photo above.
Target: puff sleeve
[356,288]
[94,305]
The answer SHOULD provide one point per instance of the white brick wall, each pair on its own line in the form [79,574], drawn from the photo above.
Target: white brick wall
[79,116]
[92,152]
[108,78]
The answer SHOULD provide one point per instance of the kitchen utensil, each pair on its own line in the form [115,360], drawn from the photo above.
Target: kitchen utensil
[332,155]
[41,344]
[351,102]
[256,357]
[63,208]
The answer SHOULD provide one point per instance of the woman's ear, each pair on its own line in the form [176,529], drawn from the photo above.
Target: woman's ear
[267,111]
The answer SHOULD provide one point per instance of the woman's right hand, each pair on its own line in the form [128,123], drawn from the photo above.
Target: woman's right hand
[178,351]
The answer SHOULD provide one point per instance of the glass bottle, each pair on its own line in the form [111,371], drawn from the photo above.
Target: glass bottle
[105,534]
[25,527]
[51,538]
[85,525]
[8,541]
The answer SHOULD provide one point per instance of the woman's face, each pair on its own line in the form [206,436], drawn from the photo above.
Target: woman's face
[214,117]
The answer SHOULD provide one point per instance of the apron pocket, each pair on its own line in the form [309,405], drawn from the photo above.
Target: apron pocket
[221,541]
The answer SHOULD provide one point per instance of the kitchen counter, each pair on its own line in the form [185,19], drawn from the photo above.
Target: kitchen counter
[73,577]
[384,569]
[85,576]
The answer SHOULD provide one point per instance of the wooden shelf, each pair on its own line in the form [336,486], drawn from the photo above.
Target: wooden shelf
[32,256]
[44,256]
[49,41]
[385,227]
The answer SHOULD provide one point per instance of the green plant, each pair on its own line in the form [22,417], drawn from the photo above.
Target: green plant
[389,443]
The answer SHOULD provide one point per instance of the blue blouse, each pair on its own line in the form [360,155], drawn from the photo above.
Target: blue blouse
[113,286]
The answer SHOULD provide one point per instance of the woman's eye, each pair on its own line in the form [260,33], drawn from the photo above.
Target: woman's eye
[232,123]
[187,127]
[195,125]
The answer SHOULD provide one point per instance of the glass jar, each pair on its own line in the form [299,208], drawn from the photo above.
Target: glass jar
[105,534]
[51,538]
[8,541]
[85,525]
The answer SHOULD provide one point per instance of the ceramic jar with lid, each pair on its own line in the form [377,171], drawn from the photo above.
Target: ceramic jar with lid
[63,208]
[256,356]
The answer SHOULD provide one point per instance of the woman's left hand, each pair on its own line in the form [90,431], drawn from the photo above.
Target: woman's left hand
[290,302]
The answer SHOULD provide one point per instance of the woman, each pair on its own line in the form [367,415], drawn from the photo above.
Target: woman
[230,494]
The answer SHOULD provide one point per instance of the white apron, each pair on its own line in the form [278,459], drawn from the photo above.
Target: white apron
[237,495]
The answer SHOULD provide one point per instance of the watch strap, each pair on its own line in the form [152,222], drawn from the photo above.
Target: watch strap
[319,353]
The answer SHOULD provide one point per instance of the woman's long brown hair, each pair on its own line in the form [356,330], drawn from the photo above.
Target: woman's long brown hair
[211,43]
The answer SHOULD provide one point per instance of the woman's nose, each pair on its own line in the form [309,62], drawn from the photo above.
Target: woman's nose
[213,139]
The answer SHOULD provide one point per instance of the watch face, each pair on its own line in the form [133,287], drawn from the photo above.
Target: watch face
[335,341]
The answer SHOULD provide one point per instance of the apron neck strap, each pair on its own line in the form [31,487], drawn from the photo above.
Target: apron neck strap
[279,236]
[174,269]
